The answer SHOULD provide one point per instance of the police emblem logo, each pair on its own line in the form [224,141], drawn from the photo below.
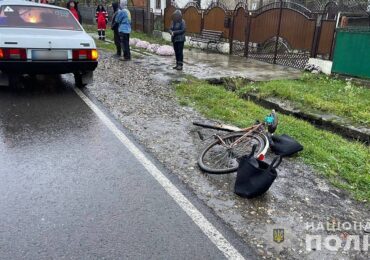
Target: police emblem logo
[278,235]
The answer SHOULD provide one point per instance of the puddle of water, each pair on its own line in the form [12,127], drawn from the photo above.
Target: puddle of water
[210,65]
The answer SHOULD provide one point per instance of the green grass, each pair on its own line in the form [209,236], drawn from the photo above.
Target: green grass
[149,38]
[105,45]
[345,164]
[101,45]
[112,48]
[320,93]
[93,29]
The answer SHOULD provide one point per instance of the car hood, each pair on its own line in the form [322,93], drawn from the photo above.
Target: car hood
[45,38]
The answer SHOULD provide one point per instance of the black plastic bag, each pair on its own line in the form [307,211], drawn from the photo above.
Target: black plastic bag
[285,145]
[255,177]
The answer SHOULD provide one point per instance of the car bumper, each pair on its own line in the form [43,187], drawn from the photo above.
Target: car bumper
[50,67]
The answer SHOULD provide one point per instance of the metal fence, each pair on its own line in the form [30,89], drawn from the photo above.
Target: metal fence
[141,20]
[352,55]
[281,32]
[288,34]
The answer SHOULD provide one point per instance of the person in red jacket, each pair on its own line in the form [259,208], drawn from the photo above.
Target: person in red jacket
[101,17]
[73,7]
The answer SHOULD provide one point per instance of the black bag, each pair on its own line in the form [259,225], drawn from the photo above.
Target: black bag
[255,177]
[285,145]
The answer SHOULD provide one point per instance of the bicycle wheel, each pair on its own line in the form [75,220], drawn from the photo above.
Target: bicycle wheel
[216,158]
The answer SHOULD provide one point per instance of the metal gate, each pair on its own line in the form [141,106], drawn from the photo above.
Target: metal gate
[281,33]
[238,31]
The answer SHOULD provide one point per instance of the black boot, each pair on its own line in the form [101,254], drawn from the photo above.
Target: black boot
[177,65]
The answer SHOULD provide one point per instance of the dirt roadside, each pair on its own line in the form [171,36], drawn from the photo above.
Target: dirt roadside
[298,202]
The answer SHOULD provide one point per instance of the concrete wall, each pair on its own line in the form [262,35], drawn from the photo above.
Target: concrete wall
[153,5]
[138,3]
[181,3]
[223,47]
[230,4]
[205,3]
[87,13]
[325,65]
[252,4]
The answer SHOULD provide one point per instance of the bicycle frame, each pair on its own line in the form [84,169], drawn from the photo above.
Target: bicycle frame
[264,130]
[259,128]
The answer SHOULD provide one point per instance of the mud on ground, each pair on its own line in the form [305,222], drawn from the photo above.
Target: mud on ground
[299,197]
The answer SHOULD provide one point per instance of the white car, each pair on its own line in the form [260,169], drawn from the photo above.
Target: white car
[43,39]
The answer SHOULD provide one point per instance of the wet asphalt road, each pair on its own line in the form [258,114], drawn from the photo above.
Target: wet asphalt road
[69,189]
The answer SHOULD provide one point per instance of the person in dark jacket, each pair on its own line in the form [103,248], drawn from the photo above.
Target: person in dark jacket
[114,27]
[73,7]
[177,31]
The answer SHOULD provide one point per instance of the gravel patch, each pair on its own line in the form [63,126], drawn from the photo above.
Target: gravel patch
[149,109]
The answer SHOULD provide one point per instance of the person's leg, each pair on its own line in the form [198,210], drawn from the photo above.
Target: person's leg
[126,49]
[121,38]
[103,35]
[117,42]
[180,55]
[99,33]
[176,49]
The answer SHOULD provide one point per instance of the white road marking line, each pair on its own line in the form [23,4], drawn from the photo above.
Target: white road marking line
[208,229]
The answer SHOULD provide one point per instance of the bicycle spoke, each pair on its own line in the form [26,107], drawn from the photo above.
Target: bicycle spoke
[229,141]
[241,151]
[223,157]
[229,162]
[219,155]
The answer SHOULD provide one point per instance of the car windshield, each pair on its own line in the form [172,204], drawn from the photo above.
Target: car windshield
[20,16]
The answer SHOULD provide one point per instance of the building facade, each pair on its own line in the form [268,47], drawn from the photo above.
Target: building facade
[159,5]
[230,4]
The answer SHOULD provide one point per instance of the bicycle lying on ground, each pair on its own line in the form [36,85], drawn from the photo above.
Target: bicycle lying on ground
[222,155]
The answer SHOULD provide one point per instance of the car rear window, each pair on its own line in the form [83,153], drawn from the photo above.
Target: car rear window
[22,16]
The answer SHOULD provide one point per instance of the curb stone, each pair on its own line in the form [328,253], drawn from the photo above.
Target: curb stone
[329,122]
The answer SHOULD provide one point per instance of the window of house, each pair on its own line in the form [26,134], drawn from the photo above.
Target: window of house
[158,4]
